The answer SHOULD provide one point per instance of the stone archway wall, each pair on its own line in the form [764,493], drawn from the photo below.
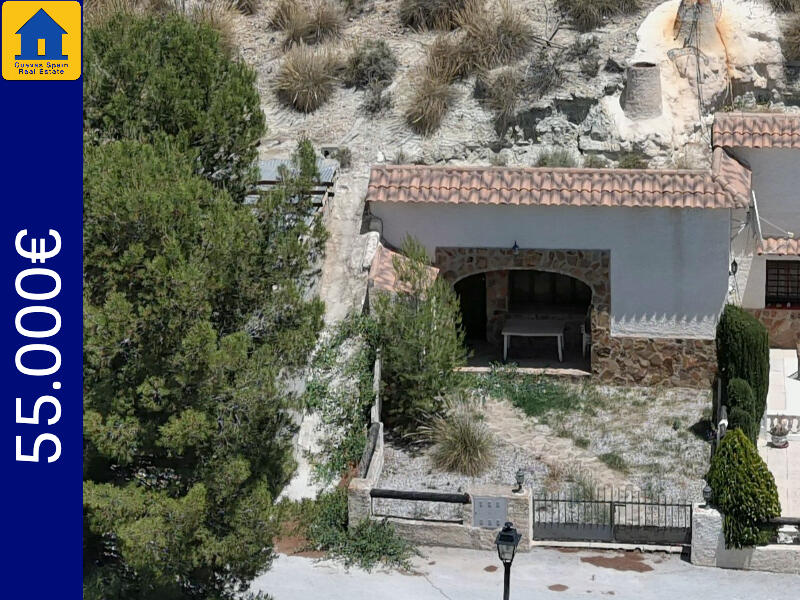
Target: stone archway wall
[619,360]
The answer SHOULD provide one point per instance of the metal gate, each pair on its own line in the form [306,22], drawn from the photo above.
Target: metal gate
[621,516]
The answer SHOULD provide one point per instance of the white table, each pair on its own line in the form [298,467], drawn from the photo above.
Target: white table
[534,328]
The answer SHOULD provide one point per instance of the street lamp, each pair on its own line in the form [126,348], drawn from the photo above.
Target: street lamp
[507,542]
[520,479]
[707,494]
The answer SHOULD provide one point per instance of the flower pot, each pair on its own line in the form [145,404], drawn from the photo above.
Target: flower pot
[779,441]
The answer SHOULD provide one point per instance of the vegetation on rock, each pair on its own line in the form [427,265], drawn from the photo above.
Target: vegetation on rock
[591,14]
[744,490]
[371,61]
[430,14]
[307,77]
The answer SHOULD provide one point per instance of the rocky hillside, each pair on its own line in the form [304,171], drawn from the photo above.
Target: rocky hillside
[577,113]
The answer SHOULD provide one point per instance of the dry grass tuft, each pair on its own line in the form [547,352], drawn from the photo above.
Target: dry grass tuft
[307,77]
[446,57]
[308,24]
[786,5]
[494,38]
[430,14]
[219,15]
[503,94]
[591,14]
[463,442]
[431,96]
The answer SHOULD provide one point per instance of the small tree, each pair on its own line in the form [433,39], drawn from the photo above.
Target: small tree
[151,74]
[419,330]
[744,490]
[744,411]
[739,418]
[743,353]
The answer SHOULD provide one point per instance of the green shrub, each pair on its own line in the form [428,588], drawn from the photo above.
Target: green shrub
[740,395]
[593,161]
[590,14]
[366,545]
[419,331]
[307,77]
[739,418]
[371,61]
[535,396]
[743,353]
[556,157]
[791,40]
[632,160]
[462,441]
[744,490]
[430,14]
[146,75]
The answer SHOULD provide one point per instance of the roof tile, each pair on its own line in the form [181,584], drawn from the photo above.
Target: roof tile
[756,130]
[727,185]
[780,246]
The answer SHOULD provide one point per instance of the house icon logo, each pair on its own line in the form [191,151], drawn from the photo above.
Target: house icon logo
[41,40]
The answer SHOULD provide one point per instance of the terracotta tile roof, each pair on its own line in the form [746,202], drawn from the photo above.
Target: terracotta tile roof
[780,246]
[726,186]
[756,130]
[382,275]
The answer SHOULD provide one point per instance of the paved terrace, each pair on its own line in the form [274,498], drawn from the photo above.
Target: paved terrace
[784,398]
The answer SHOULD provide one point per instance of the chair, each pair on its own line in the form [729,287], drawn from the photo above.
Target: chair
[586,333]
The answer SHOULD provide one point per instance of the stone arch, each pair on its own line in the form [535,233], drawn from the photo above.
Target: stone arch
[591,267]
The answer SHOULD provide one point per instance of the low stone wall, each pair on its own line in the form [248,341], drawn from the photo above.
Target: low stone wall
[359,503]
[783,325]
[708,548]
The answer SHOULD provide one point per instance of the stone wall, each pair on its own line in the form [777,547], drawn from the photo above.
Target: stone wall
[708,548]
[615,359]
[783,325]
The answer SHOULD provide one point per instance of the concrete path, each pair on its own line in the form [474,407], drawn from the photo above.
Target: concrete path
[784,386]
[784,398]
[452,574]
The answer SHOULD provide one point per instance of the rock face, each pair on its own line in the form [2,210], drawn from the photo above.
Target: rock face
[783,326]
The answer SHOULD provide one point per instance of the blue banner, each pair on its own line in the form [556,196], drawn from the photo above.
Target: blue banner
[41,242]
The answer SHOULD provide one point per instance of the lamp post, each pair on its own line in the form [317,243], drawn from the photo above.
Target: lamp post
[520,479]
[507,542]
[707,494]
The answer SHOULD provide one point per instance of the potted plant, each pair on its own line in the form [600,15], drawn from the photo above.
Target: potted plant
[779,431]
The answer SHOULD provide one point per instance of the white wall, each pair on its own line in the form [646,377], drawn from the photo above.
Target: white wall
[752,283]
[776,183]
[669,267]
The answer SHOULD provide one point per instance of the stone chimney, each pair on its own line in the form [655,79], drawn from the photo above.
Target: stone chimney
[642,95]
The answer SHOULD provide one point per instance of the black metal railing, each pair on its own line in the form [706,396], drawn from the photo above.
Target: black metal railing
[606,515]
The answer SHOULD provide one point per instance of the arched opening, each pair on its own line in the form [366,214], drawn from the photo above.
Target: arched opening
[472,297]
[534,293]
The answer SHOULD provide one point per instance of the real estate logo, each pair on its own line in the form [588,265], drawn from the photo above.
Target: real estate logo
[41,40]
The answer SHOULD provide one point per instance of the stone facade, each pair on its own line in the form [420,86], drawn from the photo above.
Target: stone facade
[614,359]
[783,325]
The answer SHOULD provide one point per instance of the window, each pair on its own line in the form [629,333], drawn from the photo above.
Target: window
[783,282]
[541,289]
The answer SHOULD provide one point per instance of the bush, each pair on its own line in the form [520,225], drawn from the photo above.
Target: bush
[544,72]
[743,489]
[366,545]
[556,157]
[593,161]
[218,15]
[632,160]
[147,75]
[307,77]
[614,461]
[431,96]
[791,40]
[502,96]
[785,5]
[419,330]
[590,14]
[284,12]
[738,418]
[493,39]
[463,442]
[743,353]
[377,99]
[312,24]
[430,14]
[372,61]
[740,395]
[446,59]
